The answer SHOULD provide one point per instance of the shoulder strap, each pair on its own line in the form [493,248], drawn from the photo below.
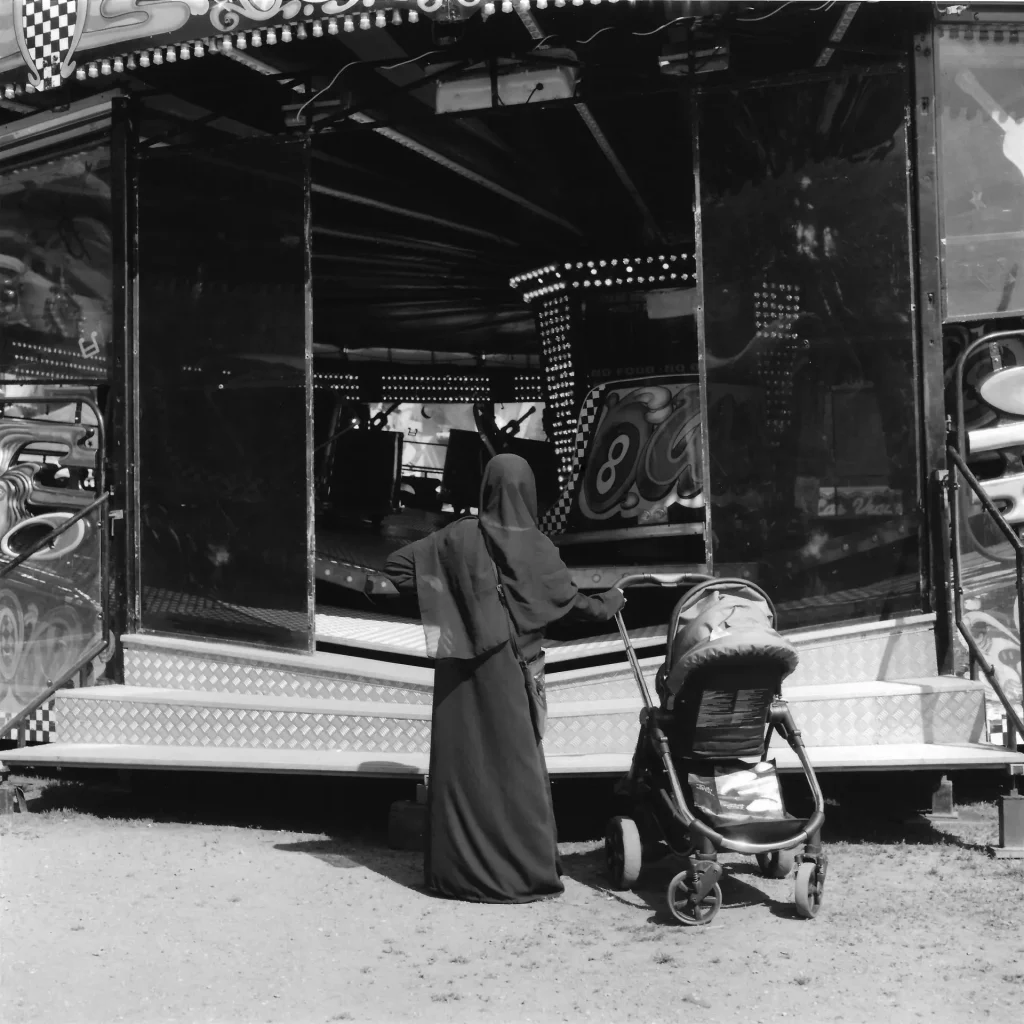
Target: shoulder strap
[500,587]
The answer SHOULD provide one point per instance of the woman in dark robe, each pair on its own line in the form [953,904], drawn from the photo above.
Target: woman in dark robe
[491,833]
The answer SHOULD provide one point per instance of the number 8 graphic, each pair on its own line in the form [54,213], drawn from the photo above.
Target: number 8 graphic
[607,473]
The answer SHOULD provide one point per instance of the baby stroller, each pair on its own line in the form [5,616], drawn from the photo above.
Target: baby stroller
[692,789]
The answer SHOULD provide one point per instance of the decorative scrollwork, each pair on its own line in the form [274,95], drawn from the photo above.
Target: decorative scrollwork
[227,14]
[58,640]
[12,638]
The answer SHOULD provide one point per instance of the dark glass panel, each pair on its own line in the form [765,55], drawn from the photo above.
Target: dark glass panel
[810,343]
[222,335]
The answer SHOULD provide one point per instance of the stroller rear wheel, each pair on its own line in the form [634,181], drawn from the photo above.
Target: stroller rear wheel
[623,852]
[684,907]
[777,864]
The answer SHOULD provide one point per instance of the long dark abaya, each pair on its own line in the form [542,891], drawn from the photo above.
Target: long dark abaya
[491,834]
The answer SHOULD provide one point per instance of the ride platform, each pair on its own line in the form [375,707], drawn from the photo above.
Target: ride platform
[867,698]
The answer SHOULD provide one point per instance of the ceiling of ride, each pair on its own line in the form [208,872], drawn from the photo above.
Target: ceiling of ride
[419,219]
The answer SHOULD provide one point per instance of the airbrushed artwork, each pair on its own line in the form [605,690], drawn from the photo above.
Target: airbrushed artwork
[644,457]
[56,267]
[50,604]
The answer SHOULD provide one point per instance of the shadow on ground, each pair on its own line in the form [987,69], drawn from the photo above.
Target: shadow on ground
[588,868]
[352,814]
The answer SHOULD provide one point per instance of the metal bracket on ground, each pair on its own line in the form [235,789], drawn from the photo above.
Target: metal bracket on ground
[942,802]
[1011,821]
[12,797]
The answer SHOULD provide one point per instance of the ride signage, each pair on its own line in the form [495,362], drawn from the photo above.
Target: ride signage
[43,42]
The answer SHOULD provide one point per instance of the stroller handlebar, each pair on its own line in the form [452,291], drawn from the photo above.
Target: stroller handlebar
[661,579]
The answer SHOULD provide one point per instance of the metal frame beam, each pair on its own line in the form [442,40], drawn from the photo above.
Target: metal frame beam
[925,162]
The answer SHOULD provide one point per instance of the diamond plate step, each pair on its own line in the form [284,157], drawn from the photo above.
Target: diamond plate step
[902,648]
[938,710]
[176,663]
[893,650]
[916,711]
[152,716]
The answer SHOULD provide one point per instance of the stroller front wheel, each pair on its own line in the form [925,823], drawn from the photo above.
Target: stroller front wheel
[623,852]
[808,890]
[683,905]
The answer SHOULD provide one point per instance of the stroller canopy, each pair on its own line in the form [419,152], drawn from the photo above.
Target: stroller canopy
[712,625]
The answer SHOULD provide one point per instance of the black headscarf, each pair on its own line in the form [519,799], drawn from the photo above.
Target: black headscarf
[455,581]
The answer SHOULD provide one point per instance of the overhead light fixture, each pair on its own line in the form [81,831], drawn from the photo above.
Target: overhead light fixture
[14,106]
[997,12]
[509,84]
[689,49]
[255,64]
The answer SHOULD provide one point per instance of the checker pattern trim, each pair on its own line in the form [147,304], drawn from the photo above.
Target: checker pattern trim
[41,726]
[49,28]
[554,520]
[180,670]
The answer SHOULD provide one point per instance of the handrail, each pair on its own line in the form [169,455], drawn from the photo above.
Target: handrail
[958,612]
[97,648]
[958,381]
[55,532]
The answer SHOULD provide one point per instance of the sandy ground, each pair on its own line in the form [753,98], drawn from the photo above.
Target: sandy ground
[195,904]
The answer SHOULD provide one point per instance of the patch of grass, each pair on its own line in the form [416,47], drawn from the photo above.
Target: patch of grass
[1013,978]
[445,997]
[802,979]
[344,1015]
[460,960]
[664,958]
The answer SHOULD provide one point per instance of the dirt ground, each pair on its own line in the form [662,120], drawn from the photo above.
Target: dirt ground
[198,899]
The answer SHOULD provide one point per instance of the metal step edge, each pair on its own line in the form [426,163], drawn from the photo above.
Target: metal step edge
[923,622]
[881,688]
[654,636]
[859,758]
[320,663]
[120,695]
[558,652]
